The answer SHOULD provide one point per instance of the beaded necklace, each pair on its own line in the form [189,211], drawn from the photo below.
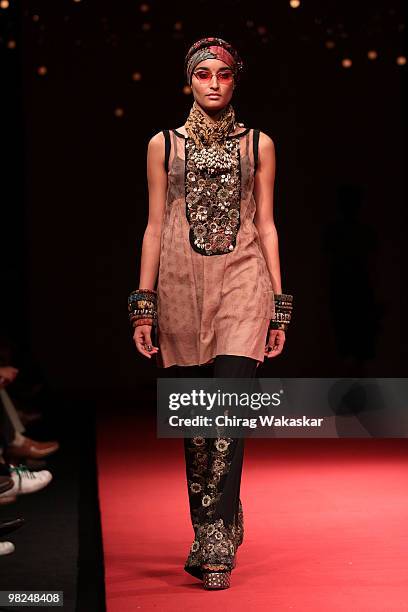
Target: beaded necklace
[212,182]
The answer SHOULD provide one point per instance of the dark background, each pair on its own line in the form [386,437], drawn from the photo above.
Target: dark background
[74,198]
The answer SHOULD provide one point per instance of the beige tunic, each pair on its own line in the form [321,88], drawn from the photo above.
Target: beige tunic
[217,304]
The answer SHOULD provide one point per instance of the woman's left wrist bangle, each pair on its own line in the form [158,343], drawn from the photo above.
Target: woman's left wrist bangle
[283,311]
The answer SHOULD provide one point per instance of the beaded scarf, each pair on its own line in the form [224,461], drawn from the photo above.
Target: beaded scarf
[212,182]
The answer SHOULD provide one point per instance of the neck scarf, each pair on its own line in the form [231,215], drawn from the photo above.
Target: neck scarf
[205,132]
[211,150]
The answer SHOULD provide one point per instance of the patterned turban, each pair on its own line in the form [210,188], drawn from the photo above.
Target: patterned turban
[212,48]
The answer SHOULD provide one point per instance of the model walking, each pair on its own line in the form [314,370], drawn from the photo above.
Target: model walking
[212,242]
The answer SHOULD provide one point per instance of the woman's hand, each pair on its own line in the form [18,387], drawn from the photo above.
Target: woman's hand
[275,344]
[143,340]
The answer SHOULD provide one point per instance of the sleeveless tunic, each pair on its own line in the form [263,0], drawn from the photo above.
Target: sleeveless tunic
[210,304]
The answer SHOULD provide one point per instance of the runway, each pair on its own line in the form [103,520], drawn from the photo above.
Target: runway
[325,523]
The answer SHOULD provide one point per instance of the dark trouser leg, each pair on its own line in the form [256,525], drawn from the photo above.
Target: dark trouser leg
[213,470]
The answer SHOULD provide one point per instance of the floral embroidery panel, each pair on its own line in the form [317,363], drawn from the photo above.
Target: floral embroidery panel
[213,197]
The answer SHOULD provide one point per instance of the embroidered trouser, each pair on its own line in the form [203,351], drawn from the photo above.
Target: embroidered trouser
[213,470]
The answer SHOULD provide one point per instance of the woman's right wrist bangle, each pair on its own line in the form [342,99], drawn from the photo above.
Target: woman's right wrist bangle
[142,306]
[137,322]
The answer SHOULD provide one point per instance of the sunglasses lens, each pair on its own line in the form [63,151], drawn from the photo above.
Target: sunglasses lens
[225,77]
[203,76]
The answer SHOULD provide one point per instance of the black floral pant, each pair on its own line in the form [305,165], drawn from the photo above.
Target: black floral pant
[213,471]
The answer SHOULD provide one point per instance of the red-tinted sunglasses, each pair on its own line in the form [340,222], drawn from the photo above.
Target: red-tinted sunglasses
[205,76]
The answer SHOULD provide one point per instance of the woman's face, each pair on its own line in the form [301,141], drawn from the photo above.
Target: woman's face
[212,84]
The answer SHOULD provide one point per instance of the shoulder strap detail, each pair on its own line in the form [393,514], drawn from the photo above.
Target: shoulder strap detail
[167,149]
[256,147]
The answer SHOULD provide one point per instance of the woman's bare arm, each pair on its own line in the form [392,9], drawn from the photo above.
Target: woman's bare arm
[157,183]
[150,257]
[264,221]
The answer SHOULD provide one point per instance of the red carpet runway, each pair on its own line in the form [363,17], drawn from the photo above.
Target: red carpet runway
[326,524]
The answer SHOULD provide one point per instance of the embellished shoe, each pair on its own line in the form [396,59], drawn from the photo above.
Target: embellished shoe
[216,577]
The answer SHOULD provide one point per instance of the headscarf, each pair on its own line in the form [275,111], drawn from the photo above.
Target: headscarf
[212,48]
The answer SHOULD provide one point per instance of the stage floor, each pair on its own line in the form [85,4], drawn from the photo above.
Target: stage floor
[325,523]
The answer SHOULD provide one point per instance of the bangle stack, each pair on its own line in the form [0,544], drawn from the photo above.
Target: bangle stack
[283,311]
[142,307]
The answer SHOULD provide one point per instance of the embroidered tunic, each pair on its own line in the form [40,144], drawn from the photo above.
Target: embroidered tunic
[214,292]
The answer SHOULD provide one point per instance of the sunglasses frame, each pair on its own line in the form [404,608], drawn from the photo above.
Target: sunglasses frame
[211,75]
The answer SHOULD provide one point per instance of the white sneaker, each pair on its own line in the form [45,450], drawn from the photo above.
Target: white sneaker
[6,548]
[26,481]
